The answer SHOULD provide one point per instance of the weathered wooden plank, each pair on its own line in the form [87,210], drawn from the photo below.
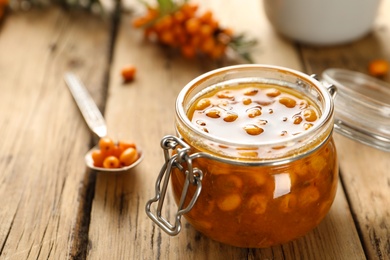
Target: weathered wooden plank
[44,138]
[365,171]
[144,111]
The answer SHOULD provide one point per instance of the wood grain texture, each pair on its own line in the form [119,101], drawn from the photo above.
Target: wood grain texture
[43,135]
[144,111]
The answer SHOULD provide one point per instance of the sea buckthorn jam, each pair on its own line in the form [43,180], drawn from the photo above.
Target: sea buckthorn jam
[254,112]
[260,143]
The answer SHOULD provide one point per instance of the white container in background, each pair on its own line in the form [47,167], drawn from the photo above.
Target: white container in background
[322,22]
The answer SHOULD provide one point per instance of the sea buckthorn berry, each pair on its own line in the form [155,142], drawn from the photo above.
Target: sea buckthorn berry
[229,203]
[166,22]
[288,203]
[128,156]
[303,104]
[126,144]
[111,162]
[188,51]
[98,158]
[273,92]
[246,101]
[213,113]
[179,16]
[230,117]
[287,101]
[228,184]
[201,122]
[167,37]
[223,103]
[207,45]
[205,30]
[308,195]
[297,120]
[225,94]
[307,126]
[318,164]
[253,129]
[106,144]
[202,104]
[206,17]
[117,151]
[128,73]
[378,67]
[258,203]
[253,112]
[193,25]
[251,92]
[310,115]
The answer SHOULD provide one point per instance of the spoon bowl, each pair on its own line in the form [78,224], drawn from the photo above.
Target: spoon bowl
[89,162]
[95,122]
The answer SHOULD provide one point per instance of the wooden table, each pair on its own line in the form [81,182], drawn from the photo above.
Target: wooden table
[53,207]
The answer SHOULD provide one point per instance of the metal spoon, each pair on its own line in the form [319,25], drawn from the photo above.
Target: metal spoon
[94,120]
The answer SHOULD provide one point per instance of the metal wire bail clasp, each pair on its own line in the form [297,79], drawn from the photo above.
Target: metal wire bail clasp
[193,176]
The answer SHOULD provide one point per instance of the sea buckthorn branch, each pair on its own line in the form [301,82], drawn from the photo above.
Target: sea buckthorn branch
[179,25]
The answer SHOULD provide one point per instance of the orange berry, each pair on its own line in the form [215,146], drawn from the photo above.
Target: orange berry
[188,51]
[195,41]
[128,73]
[117,151]
[126,144]
[378,67]
[98,158]
[205,30]
[106,145]
[165,22]
[111,162]
[167,37]
[179,16]
[192,25]
[128,157]
[208,45]
[139,22]
[206,16]
[189,9]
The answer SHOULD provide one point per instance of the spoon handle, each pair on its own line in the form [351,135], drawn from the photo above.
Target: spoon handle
[87,106]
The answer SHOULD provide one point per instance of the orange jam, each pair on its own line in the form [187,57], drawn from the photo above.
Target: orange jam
[253,113]
[259,204]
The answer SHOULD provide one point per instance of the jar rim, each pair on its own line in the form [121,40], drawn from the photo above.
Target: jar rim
[326,113]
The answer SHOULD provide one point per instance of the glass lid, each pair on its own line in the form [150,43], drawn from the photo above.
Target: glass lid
[362,107]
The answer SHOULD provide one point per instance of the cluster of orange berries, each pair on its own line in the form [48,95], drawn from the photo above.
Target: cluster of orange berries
[112,155]
[184,29]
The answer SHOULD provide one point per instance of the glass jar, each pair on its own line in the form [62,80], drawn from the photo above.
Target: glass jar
[249,194]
